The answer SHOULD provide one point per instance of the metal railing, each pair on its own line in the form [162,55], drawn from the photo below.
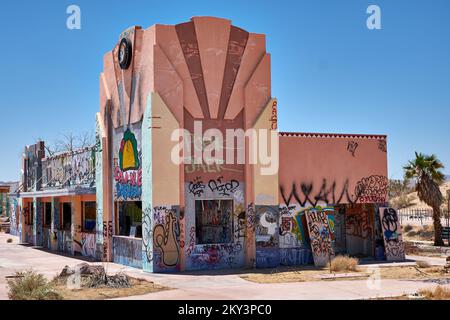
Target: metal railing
[422,216]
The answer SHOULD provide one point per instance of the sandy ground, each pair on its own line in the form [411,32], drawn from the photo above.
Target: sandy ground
[215,285]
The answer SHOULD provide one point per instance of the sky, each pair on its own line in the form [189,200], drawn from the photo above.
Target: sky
[330,73]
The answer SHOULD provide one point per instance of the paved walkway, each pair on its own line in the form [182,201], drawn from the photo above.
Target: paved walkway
[208,285]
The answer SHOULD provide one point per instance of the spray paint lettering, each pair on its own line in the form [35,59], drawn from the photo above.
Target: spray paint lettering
[224,188]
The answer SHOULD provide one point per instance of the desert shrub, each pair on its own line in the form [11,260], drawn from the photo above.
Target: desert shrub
[412,233]
[439,293]
[422,264]
[344,263]
[408,228]
[29,285]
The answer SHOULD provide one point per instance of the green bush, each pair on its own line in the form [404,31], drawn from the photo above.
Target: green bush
[29,285]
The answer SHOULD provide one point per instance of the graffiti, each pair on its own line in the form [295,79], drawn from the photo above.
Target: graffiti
[88,244]
[295,256]
[166,235]
[69,169]
[393,242]
[191,245]
[239,196]
[239,230]
[274,119]
[127,251]
[389,222]
[267,257]
[320,236]
[105,250]
[357,223]
[326,194]
[208,168]
[213,256]
[107,234]
[266,226]
[372,189]
[382,145]
[351,147]
[128,184]
[32,169]
[127,170]
[215,235]
[292,233]
[251,216]
[107,229]
[147,234]
[224,188]
[286,225]
[196,187]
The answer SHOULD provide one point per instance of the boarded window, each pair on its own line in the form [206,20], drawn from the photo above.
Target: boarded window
[47,208]
[89,212]
[28,213]
[66,221]
[213,221]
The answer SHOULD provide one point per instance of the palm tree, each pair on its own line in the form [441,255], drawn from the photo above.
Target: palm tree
[425,170]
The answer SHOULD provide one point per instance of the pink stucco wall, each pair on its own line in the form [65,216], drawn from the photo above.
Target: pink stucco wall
[332,168]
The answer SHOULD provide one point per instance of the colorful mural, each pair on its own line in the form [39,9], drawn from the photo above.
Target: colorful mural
[166,238]
[320,236]
[127,164]
[393,242]
[267,237]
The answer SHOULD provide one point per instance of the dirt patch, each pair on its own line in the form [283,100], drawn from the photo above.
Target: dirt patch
[292,274]
[311,273]
[137,287]
[90,282]
[438,293]
[426,250]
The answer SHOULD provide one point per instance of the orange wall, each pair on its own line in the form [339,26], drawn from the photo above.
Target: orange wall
[312,161]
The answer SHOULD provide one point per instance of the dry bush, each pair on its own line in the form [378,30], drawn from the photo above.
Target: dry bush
[422,264]
[439,293]
[412,234]
[408,228]
[344,263]
[29,285]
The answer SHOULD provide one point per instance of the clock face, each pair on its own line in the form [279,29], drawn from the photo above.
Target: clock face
[124,54]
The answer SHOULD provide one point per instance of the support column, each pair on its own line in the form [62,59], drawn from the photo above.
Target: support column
[55,223]
[21,222]
[75,229]
[37,222]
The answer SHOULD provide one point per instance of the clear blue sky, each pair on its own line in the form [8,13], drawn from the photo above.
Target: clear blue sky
[329,72]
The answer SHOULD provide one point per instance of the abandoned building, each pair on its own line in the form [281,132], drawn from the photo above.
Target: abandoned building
[125,199]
